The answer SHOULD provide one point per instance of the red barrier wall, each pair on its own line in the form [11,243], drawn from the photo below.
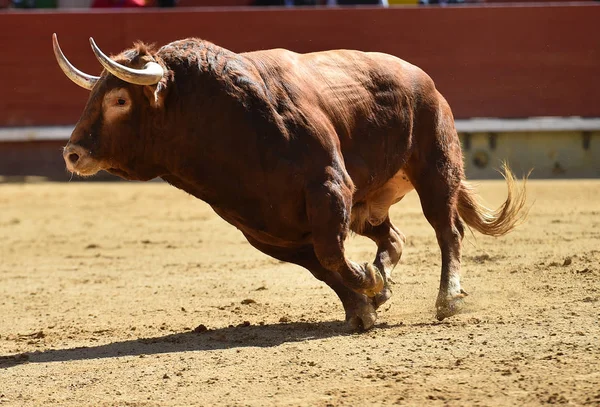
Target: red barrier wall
[494,61]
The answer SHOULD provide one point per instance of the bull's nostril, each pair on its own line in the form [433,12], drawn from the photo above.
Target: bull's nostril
[73,157]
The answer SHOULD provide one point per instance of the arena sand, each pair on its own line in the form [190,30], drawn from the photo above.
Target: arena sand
[129,294]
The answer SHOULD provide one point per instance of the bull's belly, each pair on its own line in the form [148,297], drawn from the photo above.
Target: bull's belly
[277,224]
[269,229]
[374,208]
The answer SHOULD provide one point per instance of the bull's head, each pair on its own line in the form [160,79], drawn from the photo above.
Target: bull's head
[119,114]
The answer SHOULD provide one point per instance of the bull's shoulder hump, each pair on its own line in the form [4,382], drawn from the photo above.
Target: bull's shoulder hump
[275,53]
[406,71]
[360,60]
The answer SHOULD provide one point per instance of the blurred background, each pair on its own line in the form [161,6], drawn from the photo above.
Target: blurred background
[522,78]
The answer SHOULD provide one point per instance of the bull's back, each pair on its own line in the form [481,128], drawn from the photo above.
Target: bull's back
[303,106]
[372,109]
[367,101]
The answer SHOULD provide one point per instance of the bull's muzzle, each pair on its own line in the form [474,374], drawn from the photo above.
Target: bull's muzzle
[78,160]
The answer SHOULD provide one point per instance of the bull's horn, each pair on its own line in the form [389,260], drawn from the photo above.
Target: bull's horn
[82,79]
[150,74]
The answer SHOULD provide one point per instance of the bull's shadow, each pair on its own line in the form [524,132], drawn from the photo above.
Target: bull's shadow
[225,338]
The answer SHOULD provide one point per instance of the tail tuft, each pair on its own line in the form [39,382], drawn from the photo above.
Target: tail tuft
[491,222]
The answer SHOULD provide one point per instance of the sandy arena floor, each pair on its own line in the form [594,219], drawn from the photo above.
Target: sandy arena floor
[139,295]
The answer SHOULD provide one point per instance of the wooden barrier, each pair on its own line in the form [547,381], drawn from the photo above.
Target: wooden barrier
[551,152]
[493,61]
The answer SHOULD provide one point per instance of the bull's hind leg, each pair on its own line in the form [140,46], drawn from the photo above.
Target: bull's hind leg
[371,218]
[436,171]
[438,194]
[390,242]
[360,312]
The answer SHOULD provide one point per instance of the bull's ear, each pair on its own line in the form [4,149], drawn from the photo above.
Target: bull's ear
[156,94]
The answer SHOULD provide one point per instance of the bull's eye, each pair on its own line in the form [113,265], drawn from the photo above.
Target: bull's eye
[121,101]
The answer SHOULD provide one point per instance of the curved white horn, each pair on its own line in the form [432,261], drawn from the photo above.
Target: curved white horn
[82,79]
[150,74]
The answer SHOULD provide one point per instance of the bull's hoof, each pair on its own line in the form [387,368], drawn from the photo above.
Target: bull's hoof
[373,275]
[362,319]
[381,297]
[449,306]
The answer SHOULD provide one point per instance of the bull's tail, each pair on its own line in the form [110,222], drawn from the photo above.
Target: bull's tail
[494,222]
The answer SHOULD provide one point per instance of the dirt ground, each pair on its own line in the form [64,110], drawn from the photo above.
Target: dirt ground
[137,294]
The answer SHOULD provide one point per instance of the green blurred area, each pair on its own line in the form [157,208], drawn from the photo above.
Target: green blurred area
[34,3]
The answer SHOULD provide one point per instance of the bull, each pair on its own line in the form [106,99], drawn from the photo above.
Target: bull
[295,150]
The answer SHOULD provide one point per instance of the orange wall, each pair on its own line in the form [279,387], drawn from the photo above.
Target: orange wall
[493,61]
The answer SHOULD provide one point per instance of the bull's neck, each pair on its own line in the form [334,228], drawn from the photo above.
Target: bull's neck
[207,119]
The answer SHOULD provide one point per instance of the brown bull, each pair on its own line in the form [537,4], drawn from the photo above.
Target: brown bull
[294,150]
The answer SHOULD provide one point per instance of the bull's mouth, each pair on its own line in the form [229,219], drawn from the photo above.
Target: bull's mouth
[84,167]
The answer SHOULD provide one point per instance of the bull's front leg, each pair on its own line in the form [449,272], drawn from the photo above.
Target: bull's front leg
[360,310]
[329,205]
